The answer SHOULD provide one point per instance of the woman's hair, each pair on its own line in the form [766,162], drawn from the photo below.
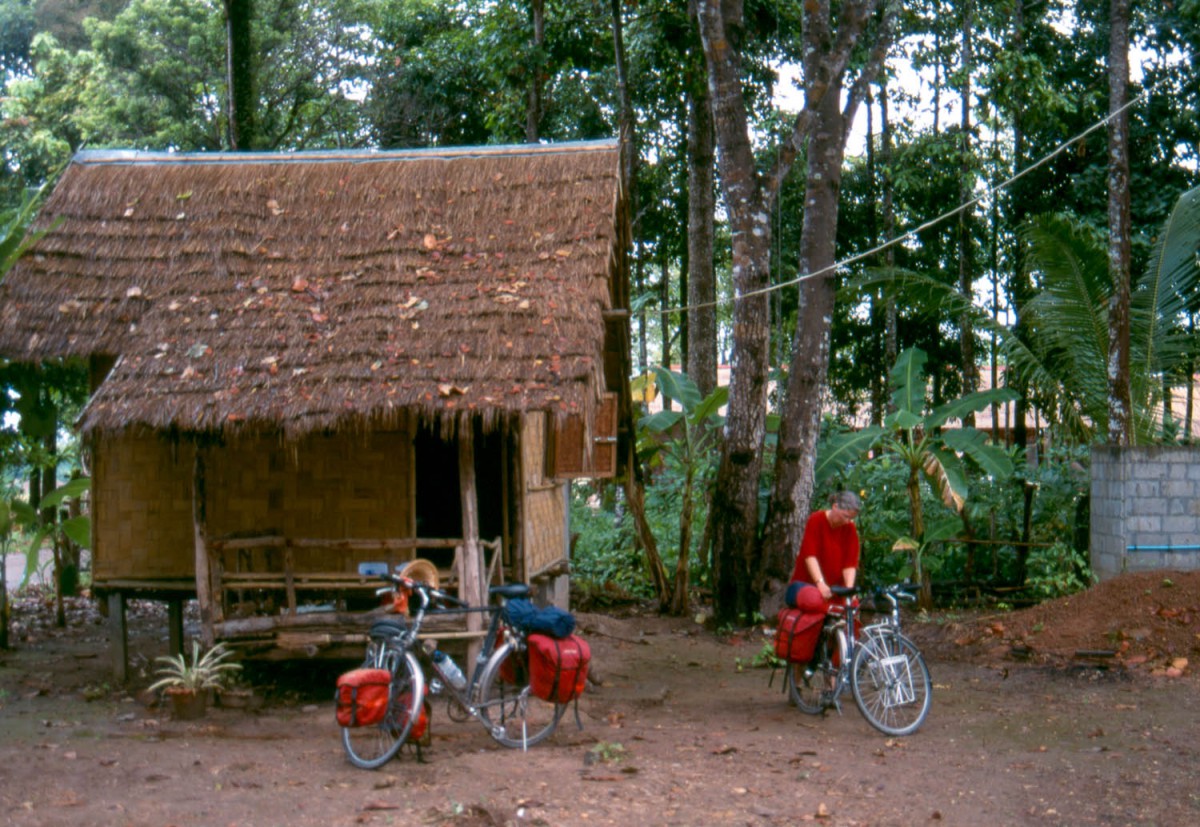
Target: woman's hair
[846,500]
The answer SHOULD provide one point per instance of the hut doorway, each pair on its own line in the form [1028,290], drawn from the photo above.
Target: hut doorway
[438,502]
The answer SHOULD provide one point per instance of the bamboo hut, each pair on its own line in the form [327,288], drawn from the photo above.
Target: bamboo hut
[310,367]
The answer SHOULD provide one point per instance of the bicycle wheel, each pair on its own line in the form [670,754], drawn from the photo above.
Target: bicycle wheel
[514,715]
[810,685]
[370,747]
[891,683]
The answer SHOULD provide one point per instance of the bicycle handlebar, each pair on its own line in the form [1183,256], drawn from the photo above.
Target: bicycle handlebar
[427,591]
[900,591]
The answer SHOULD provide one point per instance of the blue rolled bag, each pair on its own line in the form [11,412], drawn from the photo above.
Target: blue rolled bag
[548,620]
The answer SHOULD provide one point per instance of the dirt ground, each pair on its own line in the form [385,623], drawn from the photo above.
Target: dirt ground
[1080,711]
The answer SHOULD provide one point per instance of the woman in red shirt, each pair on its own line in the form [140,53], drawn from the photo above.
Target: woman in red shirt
[828,551]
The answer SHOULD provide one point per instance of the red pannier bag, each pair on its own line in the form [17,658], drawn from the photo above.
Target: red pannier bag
[796,634]
[558,667]
[514,669]
[362,697]
[420,731]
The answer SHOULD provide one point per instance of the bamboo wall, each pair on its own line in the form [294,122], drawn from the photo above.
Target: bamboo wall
[325,486]
[141,508]
[544,520]
[338,486]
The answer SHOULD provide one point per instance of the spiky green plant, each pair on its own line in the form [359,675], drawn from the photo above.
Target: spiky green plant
[202,672]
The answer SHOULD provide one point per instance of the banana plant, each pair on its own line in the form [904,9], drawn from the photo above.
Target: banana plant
[6,527]
[682,437]
[76,530]
[916,436]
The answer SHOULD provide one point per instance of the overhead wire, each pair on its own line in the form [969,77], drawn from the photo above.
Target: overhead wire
[933,222]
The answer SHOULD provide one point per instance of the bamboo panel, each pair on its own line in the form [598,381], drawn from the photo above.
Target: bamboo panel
[544,520]
[326,486]
[141,508]
[545,540]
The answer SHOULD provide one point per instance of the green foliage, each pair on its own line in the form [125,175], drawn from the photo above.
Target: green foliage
[14,223]
[1059,485]
[1058,571]
[607,752]
[678,449]
[77,530]
[764,658]
[604,555]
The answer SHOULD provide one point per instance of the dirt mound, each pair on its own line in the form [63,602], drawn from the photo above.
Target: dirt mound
[1148,620]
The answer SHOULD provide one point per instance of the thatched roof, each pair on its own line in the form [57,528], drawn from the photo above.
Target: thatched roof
[325,290]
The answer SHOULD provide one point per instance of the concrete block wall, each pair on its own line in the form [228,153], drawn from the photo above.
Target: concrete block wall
[1145,509]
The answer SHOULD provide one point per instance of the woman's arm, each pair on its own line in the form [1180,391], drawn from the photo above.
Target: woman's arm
[817,578]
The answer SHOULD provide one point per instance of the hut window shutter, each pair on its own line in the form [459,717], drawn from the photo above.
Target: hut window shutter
[568,456]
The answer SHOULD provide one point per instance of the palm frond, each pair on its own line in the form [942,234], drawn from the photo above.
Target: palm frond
[1168,288]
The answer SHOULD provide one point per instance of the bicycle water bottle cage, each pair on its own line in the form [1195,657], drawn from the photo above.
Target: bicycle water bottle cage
[511,591]
[388,627]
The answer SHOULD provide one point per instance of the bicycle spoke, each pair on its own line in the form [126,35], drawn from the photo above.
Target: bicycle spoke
[514,715]
[810,684]
[371,747]
[891,683]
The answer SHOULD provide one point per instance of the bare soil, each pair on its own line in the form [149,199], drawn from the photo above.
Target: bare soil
[1080,711]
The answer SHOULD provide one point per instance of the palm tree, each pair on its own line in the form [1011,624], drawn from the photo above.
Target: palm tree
[1065,356]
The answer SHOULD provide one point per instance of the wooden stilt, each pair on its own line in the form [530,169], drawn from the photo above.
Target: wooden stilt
[118,636]
[175,625]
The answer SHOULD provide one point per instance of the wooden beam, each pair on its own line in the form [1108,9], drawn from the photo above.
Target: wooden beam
[204,591]
[470,587]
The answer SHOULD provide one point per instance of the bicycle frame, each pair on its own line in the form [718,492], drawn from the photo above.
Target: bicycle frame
[881,667]
[467,699]
[499,698]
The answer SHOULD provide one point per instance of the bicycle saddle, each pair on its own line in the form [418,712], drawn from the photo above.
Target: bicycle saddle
[388,627]
[511,591]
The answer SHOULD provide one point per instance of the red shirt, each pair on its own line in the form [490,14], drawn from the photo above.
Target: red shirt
[836,549]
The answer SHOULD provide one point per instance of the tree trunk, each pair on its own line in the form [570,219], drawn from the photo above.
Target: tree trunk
[809,368]
[800,422]
[735,495]
[749,202]
[966,271]
[701,277]
[1120,415]
[679,592]
[916,513]
[1020,289]
[891,351]
[664,316]
[4,595]
[239,68]
[634,489]
[537,71]
[966,258]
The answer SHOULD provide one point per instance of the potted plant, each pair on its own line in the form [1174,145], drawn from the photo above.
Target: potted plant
[237,694]
[188,682]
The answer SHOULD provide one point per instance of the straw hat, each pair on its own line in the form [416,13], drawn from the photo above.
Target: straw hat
[421,569]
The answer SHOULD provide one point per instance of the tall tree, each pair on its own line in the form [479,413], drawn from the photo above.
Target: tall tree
[966,272]
[537,69]
[819,130]
[1120,424]
[239,75]
[824,152]
[701,275]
